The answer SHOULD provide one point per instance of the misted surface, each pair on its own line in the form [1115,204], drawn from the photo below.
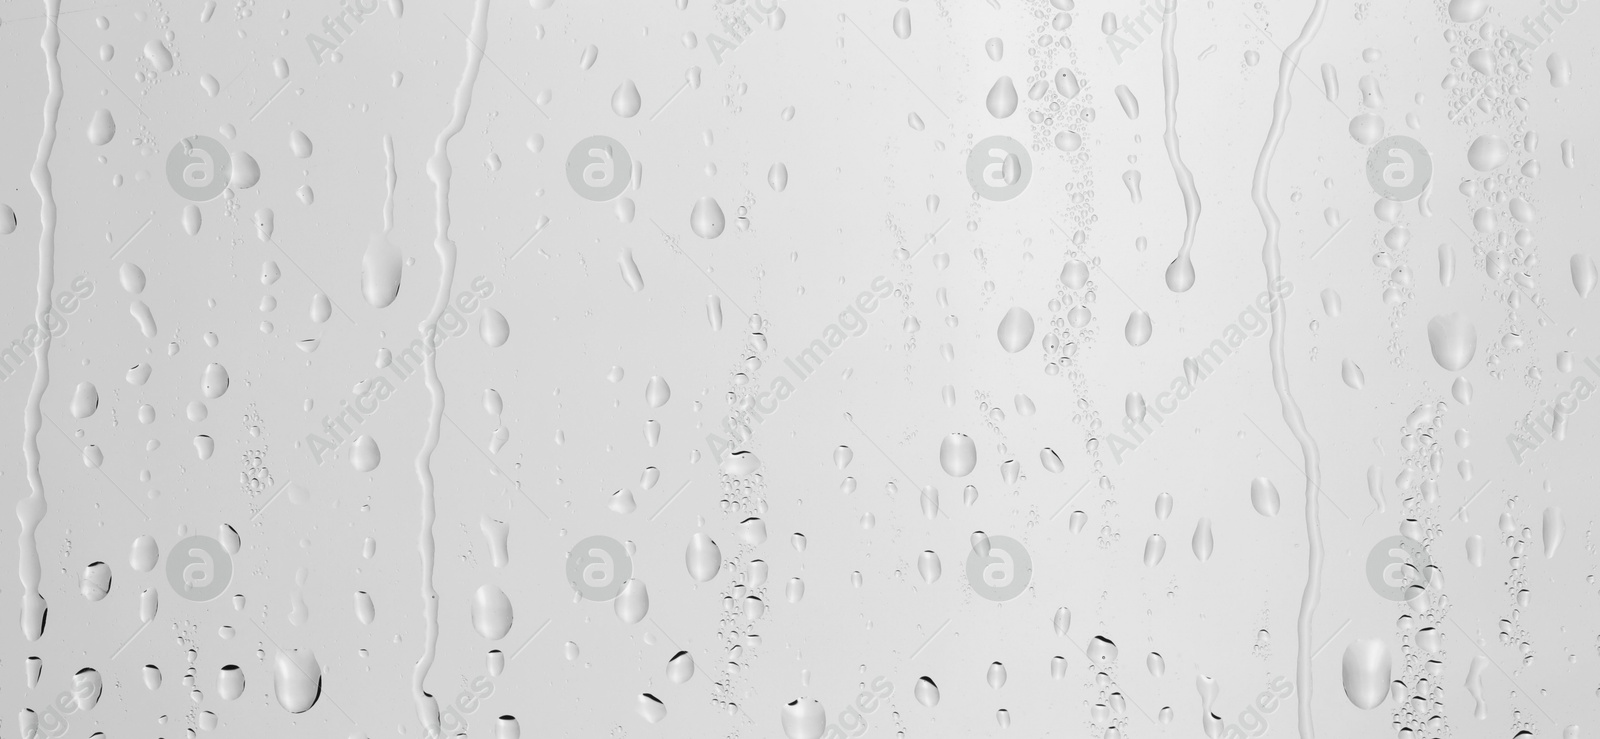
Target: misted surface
[819,370]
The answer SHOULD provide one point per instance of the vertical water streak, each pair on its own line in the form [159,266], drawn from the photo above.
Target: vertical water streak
[1271,258]
[31,510]
[439,172]
[1180,276]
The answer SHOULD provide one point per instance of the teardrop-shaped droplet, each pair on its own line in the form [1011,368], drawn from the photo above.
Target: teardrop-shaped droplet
[380,271]
[493,328]
[680,668]
[1352,375]
[1130,104]
[144,554]
[926,692]
[703,558]
[625,101]
[1155,548]
[1552,531]
[929,566]
[84,400]
[364,454]
[1067,84]
[491,612]
[1062,622]
[102,127]
[630,270]
[1264,497]
[1453,340]
[1366,672]
[778,177]
[902,23]
[706,218]
[1180,273]
[1135,408]
[803,718]
[1016,330]
[1002,99]
[996,675]
[1138,328]
[230,681]
[657,392]
[96,583]
[297,680]
[958,455]
[1202,543]
[633,602]
[1102,651]
[1584,274]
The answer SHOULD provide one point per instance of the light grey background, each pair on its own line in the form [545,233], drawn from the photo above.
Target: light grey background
[859,181]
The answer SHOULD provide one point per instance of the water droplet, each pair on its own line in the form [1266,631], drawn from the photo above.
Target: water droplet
[1002,99]
[1016,330]
[958,455]
[706,218]
[1264,497]
[625,101]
